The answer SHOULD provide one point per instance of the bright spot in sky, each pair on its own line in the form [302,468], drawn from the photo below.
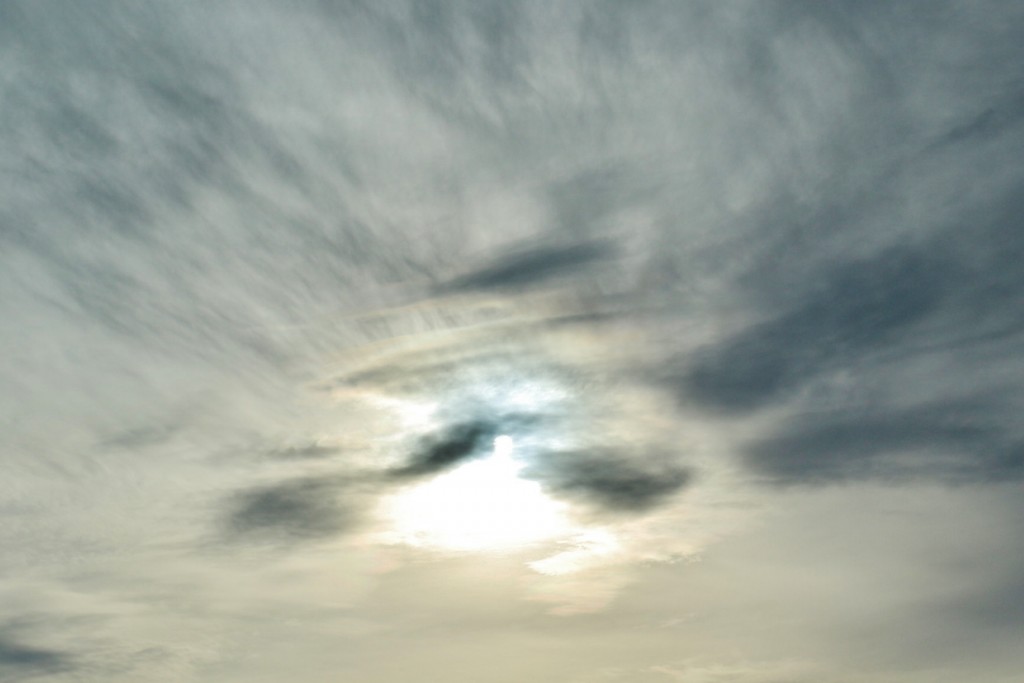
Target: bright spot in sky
[503,447]
[482,505]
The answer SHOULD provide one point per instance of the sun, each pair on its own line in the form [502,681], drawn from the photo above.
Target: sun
[482,505]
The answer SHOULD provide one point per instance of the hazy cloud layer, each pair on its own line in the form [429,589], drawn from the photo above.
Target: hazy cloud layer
[742,282]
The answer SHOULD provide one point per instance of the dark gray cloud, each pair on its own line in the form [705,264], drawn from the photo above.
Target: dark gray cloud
[955,441]
[835,330]
[455,444]
[531,267]
[292,510]
[19,661]
[859,306]
[614,481]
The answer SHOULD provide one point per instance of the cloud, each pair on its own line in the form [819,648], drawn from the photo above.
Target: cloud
[952,441]
[614,481]
[313,451]
[1006,112]
[859,306]
[209,209]
[292,510]
[531,267]
[455,444]
[22,662]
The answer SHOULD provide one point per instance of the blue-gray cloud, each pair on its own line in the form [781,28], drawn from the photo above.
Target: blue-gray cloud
[954,441]
[291,510]
[531,266]
[21,662]
[625,481]
[859,307]
[455,444]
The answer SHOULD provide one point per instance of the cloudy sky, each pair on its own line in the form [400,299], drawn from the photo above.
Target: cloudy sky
[491,342]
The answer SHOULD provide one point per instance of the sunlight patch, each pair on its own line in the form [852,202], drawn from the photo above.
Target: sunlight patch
[482,505]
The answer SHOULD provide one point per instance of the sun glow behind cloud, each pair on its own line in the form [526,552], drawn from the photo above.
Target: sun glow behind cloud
[482,505]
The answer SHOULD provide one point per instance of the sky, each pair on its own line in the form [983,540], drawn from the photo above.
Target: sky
[575,342]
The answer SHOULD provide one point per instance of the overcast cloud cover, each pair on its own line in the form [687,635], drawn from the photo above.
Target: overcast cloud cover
[742,281]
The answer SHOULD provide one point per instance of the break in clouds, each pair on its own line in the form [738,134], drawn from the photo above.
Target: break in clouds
[702,322]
